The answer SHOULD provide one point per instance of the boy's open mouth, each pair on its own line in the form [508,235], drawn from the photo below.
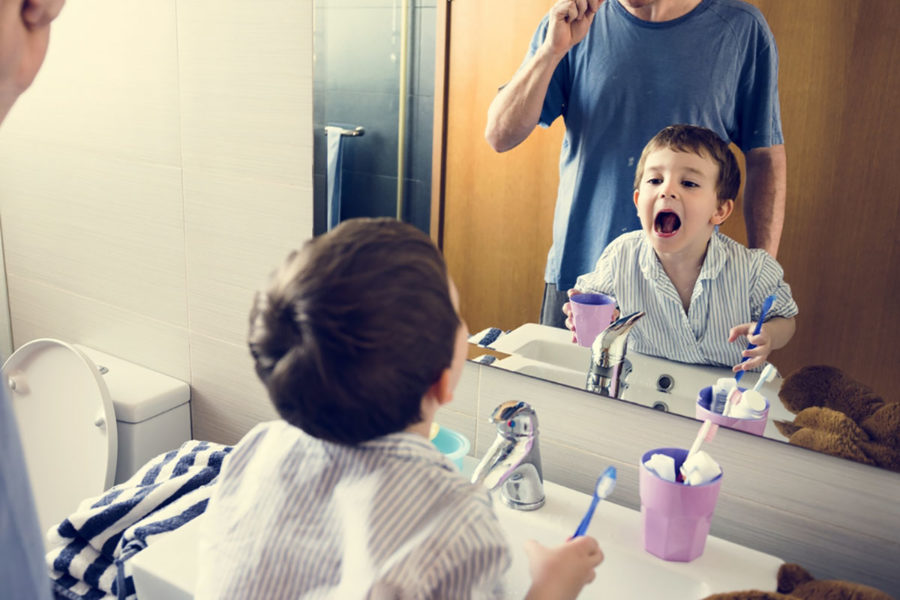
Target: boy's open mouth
[666,223]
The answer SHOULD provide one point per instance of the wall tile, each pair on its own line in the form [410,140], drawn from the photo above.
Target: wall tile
[96,225]
[40,310]
[109,83]
[366,195]
[227,398]
[423,60]
[245,89]
[361,49]
[419,146]
[238,231]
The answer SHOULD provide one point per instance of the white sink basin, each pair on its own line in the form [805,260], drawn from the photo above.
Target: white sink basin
[549,353]
[166,570]
[628,572]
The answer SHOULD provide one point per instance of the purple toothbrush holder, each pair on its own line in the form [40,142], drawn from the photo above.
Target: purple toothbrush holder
[675,518]
[703,412]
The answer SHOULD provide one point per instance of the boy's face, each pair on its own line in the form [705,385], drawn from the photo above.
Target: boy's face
[677,202]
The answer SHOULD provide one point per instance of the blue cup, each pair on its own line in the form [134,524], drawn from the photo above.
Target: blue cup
[452,444]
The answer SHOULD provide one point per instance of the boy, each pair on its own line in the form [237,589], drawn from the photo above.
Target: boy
[346,497]
[700,290]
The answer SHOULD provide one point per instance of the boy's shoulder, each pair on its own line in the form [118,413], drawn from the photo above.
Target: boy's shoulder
[735,255]
[735,248]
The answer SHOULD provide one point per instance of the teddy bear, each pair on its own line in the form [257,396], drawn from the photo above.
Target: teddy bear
[795,583]
[840,416]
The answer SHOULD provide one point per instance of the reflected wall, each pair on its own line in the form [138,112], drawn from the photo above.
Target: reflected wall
[358,60]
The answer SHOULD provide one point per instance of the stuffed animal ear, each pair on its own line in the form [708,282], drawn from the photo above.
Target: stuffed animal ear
[796,581]
[790,575]
[815,385]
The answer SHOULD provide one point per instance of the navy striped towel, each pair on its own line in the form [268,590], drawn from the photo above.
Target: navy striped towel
[90,549]
[486,337]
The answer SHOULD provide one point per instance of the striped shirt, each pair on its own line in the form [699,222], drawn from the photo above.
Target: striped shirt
[733,283]
[297,517]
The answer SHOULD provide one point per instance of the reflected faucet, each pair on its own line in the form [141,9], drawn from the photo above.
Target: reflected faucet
[514,459]
[609,368]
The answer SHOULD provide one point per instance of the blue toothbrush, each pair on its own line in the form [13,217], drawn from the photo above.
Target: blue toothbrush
[605,485]
[767,304]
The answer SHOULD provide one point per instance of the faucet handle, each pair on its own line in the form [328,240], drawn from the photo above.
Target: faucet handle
[515,418]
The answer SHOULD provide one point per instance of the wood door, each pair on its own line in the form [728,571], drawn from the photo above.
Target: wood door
[497,207]
[839,91]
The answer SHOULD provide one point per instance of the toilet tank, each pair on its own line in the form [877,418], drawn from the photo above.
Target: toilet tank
[153,412]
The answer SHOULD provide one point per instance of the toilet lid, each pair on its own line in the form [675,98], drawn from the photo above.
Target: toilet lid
[67,425]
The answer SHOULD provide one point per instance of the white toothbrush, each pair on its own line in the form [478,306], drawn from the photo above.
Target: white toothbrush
[767,375]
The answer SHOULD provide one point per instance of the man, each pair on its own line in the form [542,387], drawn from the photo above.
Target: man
[24,35]
[619,71]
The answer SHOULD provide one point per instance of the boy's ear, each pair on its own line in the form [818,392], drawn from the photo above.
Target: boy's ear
[636,193]
[442,389]
[723,211]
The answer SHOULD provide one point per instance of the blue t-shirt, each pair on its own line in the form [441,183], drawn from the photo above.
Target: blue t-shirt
[716,67]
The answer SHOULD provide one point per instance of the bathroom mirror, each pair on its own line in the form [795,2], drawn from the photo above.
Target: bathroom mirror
[492,212]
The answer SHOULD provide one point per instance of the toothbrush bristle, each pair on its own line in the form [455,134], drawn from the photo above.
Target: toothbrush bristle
[606,483]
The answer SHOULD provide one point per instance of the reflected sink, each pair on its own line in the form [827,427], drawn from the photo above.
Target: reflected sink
[628,572]
[549,353]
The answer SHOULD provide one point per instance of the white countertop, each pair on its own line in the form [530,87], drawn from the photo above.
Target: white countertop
[166,569]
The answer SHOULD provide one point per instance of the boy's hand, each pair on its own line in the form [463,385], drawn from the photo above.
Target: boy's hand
[755,356]
[567,309]
[561,572]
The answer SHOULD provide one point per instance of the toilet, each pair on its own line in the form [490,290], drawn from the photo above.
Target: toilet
[88,420]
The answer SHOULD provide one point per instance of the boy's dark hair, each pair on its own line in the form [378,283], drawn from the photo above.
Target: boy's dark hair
[353,330]
[702,142]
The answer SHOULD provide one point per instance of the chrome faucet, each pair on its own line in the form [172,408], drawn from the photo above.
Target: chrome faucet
[609,368]
[514,459]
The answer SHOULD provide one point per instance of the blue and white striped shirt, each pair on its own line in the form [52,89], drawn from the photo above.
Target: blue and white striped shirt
[733,283]
[297,517]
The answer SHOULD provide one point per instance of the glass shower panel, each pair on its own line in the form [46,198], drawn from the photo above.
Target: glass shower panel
[366,76]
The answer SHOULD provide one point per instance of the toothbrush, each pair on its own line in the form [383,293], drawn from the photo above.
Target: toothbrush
[767,304]
[605,485]
[734,397]
[767,374]
[706,433]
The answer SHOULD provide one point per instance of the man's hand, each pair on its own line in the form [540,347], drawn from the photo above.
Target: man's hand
[570,21]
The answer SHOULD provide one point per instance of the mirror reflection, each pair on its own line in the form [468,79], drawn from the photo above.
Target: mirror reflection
[493,212]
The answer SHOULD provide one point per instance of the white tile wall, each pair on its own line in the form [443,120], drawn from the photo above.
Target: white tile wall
[228,399]
[157,170]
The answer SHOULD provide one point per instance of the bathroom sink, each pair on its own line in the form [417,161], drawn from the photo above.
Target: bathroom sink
[543,370]
[549,353]
[628,572]
[166,569]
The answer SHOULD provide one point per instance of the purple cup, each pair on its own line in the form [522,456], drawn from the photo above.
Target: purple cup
[591,314]
[702,411]
[675,517]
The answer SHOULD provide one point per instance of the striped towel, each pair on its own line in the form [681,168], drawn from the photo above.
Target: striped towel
[486,337]
[90,549]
